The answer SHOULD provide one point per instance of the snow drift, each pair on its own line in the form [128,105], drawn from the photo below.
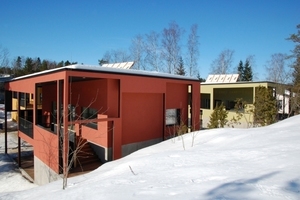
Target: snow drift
[258,163]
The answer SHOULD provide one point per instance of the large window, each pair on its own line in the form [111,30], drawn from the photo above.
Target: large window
[71,112]
[172,117]
[90,113]
[205,101]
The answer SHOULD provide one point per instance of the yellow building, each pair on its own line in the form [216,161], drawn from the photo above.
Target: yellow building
[226,92]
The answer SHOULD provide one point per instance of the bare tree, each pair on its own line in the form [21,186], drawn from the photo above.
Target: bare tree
[278,73]
[171,46]
[107,57]
[138,52]
[222,64]
[4,54]
[72,153]
[277,70]
[193,51]
[152,51]
[115,56]
[17,65]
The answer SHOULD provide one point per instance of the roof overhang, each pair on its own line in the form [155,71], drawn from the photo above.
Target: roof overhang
[99,69]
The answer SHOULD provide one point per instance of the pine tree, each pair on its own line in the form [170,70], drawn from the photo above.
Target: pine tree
[296,55]
[37,64]
[44,65]
[17,67]
[200,79]
[295,99]
[240,70]
[67,63]
[180,69]
[265,107]
[28,67]
[247,73]
[218,118]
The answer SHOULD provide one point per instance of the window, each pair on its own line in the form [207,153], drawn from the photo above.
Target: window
[71,112]
[230,105]
[15,95]
[172,117]
[217,103]
[205,101]
[279,105]
[89,113]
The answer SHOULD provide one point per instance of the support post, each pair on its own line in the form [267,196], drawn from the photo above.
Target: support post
[19,151]
[5,127]
[65,125]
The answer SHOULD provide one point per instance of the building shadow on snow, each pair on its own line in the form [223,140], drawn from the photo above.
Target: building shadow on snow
[236,190]
[8,165]
[293,187]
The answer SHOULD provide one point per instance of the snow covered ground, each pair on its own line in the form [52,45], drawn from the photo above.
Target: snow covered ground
[10,176]
[259,163]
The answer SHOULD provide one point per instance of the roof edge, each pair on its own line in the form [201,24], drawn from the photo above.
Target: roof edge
[100,69]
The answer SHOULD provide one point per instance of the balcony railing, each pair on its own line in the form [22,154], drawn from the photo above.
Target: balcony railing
[26,127]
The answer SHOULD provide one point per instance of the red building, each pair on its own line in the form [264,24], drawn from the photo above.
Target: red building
[115,111]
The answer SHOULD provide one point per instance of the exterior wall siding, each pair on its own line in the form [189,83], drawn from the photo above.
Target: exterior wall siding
[133,108]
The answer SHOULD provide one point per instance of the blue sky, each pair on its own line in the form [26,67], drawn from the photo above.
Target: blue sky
[83,31]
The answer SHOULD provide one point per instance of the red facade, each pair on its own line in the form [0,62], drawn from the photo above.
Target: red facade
[118,110]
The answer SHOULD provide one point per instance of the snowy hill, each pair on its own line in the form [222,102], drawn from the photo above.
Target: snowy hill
[258,163]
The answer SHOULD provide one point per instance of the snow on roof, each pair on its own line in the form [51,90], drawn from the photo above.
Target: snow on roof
[100,69]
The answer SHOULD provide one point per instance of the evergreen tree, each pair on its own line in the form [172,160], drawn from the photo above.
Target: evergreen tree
[102,62]
[295,99]
[17,67]
[67,63]
[37,65]
[247,73]
[200,79]
[180,69]
[29,66]
[296,56]
[44,65]
[265,107]
[240,70]
[60,64]
[218,119]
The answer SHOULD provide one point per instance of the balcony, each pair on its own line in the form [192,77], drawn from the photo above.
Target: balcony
[26,127]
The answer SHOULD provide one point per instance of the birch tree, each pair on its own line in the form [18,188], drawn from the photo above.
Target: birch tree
[171,46]
[193,51]
[276,69]
[222,64]
[152,49]
[138,52]
[4,54]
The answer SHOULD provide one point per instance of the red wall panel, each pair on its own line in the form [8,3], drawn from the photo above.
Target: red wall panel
[142,117]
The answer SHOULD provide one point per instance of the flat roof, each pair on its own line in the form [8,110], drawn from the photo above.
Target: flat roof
[100,69]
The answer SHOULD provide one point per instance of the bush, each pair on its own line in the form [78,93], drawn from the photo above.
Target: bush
[218,118]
